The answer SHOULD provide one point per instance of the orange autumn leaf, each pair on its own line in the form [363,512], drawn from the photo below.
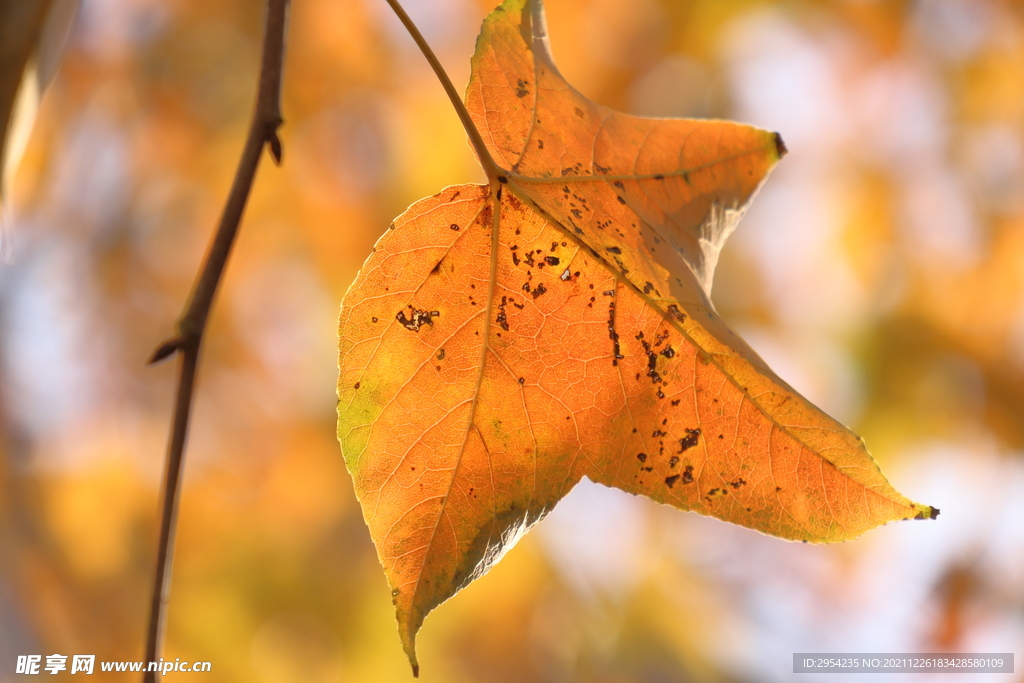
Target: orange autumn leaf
[505,340]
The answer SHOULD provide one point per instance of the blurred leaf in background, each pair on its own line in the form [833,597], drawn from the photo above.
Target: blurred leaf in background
[881,272]
[33,34]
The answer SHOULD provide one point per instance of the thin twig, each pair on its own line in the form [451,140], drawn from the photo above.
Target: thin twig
[192,324]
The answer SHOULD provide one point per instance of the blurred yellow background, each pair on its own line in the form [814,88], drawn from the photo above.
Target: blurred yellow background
[880,271]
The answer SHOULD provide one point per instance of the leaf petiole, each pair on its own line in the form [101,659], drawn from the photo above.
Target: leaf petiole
[490,167]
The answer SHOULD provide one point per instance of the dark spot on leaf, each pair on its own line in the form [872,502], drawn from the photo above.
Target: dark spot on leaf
[668,352]
[540,144]
[356,386]
[738,483]
[675,313]
[454,226]
[373,319]
[671,481]
[538,290]
[615,250]
[551,260]
[612,334]
[416,319]
[501,319]
[522,380]
[673,461]
[690,440]
[642,457]
[688,474]
[579,113]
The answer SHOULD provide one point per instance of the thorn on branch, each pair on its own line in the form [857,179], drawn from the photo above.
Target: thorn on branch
[165,350]
[276,150]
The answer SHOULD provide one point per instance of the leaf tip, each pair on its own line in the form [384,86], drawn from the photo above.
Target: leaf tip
[410,652]
[408,636]
[927,512]
[780,146]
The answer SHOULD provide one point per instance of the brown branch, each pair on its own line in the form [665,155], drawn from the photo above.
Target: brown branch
[192,324]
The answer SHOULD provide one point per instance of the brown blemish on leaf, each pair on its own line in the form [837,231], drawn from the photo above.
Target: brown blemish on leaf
[690,440]
[501,319]
[416,318]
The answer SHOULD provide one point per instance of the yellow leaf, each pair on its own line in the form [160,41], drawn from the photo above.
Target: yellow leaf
[504,341]
[32,36]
